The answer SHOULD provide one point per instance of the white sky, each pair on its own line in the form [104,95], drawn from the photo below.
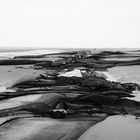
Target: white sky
[70,23]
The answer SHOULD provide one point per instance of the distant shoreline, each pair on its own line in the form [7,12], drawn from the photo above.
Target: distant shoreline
[19,49]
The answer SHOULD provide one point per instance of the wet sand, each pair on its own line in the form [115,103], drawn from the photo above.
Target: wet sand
[126,73]
[114,128]
[10,75]
[42,129]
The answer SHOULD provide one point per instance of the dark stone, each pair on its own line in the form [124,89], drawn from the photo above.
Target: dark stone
[117,93]
[96,83]
[131,86]
[17,62]
[44,64]
[96,99]
[62,81]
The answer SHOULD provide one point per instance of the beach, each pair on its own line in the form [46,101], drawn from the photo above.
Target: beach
[69,95]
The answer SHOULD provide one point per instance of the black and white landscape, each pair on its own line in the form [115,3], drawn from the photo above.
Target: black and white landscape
[70,95]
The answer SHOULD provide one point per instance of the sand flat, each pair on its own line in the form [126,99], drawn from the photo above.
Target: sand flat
[42,129]
[114,128]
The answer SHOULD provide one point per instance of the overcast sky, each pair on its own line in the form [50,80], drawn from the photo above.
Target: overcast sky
[70,23]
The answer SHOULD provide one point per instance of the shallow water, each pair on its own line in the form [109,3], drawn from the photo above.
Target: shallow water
[114,128]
